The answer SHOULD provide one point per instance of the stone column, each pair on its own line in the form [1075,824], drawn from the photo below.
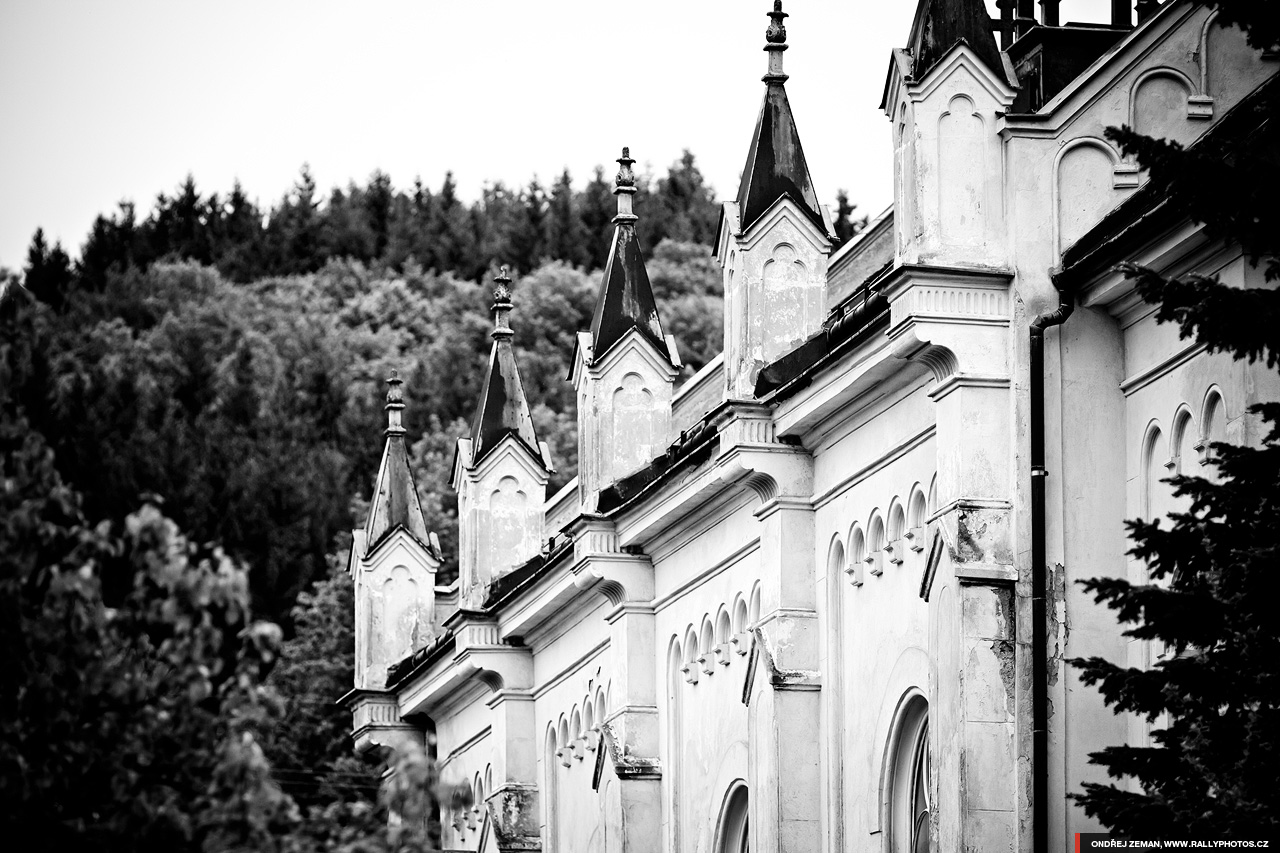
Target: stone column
[514,809]
[630,731]
[783,684]
[956,322]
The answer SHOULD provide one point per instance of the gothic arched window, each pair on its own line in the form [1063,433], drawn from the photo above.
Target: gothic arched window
[734,833]
[909,803]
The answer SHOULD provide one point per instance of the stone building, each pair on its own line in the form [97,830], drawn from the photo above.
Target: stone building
[818,597]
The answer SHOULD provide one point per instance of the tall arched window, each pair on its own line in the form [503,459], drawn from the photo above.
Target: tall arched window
[909,804]
[832,687]
[875,544]
[549,758]
[917,512]
[734,835]
[894,547]
[675,743]
[857,555]
[1212,428]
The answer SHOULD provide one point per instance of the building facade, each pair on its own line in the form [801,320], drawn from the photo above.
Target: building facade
[819,596]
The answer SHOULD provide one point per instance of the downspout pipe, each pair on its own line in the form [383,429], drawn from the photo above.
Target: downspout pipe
[1039,580]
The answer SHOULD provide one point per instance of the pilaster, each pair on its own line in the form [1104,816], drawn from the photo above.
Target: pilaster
[783,681]
[956,322]
[514,808]
[974,703]
[629,735]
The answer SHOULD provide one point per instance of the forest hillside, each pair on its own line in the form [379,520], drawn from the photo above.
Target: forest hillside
[226,363]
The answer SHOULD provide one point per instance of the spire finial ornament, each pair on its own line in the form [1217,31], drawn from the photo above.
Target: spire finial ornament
[624,187]
[501,305]
[775,43]
[395,403]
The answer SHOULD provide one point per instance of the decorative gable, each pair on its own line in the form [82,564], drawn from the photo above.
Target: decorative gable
[948,168]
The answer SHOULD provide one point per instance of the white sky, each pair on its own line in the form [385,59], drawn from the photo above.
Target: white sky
[103,100]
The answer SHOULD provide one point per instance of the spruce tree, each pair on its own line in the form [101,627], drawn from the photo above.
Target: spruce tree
[846,225]
[1213,768]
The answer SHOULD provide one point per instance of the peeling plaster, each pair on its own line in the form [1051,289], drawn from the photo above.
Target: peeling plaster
[1059,622]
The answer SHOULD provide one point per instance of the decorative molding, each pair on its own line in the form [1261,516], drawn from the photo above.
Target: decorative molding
[890,456]
[570,669]
[1143,378]
[967,380]
[665,601]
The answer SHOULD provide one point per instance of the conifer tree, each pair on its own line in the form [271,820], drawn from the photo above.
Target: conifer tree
[1213,769]
[846,225]
[48,272]
[566,234]
[597,207]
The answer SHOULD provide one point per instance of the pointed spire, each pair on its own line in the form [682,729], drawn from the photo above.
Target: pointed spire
[625,300]
[395,497]
[503,409]
[940,24]
[776,166]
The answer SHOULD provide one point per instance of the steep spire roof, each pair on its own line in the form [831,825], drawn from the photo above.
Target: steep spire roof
[940,24]
[503,410]
[395,497]
[625,300]
[775,164]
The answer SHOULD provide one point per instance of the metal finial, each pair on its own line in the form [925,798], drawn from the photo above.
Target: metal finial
[775,43]
[624,188]
[395,403]
[502,285]
[501,305]
[777,32]
[626,177]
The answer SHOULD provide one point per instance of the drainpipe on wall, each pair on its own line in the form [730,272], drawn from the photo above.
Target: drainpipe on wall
[1039,581]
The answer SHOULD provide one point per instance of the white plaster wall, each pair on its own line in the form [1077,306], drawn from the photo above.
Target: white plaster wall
[1059,185]
[775,278]
[395,608]
[571,672]
[882,643]
[501,523]
[1061,181]
[464,748]
[1084,536]
[713,724]
[957,209]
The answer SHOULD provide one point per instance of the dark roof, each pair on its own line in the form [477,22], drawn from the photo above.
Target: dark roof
[402,669]
[940,24]
[395,498]
[858,316]
[503,590]
[691,447]
[503,409]
[1047,59]
[775,164]
[625,300]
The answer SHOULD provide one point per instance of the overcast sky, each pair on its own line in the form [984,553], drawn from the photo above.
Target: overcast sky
[104,100]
